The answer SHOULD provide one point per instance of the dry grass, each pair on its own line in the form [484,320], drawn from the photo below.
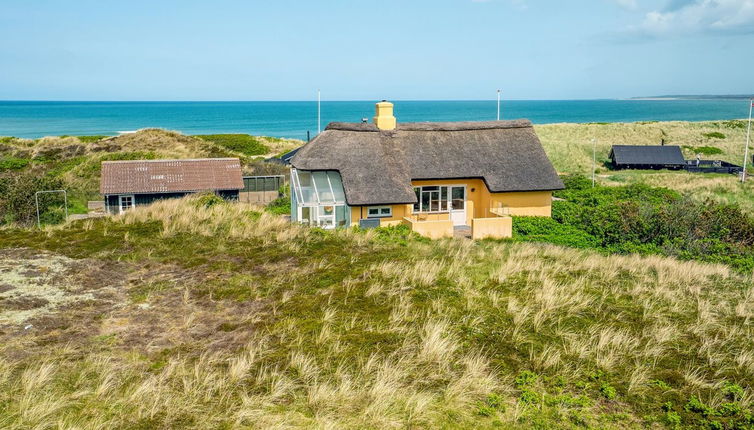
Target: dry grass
[355,333]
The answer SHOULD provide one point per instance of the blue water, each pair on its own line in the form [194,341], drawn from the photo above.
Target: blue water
[33,119]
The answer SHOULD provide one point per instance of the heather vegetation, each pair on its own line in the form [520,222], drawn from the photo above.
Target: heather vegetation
[198,313]
[631,308]
[646,220]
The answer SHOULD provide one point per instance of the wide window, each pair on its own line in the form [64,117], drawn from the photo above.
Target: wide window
[437,199]
[379,212]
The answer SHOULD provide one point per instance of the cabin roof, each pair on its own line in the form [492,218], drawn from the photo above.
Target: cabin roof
[168,176]
[647,155]
[377,166]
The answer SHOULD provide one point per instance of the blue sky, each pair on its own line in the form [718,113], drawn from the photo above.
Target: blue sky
[391,49]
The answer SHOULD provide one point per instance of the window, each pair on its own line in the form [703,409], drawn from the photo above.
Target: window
[319,198]
[459,199]
[125,203]
[440,199]
[379,212]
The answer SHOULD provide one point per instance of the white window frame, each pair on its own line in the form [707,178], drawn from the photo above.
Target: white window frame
[120,202]
[317,203]
[379,210]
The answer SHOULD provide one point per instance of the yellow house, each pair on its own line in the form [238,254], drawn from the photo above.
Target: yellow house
[437,178]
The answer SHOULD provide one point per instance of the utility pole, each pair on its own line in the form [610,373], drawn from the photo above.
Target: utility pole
[594,159]
[748,136]
[319,112]
[498,105]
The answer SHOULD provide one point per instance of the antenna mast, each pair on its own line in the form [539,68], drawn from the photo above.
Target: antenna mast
[498,105]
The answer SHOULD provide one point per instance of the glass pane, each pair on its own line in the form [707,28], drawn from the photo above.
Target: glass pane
[326,216]
[417,191]
[323,187]
[306,190]
[373,211]
[459,199]
[432,188]
[385,211]
[425,201]
[269,184]
[251,183]
[340,216]
[435,201]
[306,215]
[337,186]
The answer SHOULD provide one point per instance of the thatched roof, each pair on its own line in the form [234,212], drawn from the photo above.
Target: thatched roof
[169,176]
[644,155]
[377,167]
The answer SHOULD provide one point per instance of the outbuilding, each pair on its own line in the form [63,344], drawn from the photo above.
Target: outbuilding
[126,184]
[647,157]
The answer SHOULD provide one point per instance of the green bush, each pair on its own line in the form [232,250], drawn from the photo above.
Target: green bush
[280,206]
[706,150]
[644,220]
[207,200]
[17,203]
[541,229]
[714,135]
[13,163]
[243,143]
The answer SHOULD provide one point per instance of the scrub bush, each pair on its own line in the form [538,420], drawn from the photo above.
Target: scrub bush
[17,204]
[645,220]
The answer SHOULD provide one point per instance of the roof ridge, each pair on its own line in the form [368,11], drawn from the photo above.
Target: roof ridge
[166,160]
[434,126]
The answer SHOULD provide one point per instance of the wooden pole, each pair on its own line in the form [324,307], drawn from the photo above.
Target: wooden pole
[748,136]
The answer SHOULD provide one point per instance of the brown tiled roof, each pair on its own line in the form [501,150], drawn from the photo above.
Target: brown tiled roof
[168,176]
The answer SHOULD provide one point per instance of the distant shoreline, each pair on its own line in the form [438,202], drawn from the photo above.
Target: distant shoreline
[298,120]
[696,97]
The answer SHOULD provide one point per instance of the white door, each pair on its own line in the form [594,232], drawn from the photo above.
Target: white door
[125,203]
[458,205]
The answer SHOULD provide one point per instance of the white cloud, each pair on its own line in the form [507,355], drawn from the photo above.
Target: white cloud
[700,16]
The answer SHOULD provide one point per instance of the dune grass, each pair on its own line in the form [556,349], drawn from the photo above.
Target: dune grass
[569,146]
[224,316]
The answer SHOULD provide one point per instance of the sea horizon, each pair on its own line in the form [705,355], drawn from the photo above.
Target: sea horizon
[298,118]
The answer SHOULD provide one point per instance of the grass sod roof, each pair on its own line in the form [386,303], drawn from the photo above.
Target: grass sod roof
[377,166]
[647,155]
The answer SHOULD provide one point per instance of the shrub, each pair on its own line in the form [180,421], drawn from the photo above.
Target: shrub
[733,391]
[608,391]
[541,229]
[13,163]
[645,220]
[243,143]
[17,203]
[714,135]
[207,200]
[280,206]
[673,419]
[526,378]
[706,150]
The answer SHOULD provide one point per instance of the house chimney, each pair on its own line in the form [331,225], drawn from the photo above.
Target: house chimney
[383,118]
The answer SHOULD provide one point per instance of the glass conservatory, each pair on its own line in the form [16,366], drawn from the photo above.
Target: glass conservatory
[318,199]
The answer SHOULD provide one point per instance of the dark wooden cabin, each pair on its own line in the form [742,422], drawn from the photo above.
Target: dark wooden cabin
[647,157]
[126,184]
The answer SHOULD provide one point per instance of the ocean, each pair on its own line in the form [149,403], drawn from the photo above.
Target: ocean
[33,119]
